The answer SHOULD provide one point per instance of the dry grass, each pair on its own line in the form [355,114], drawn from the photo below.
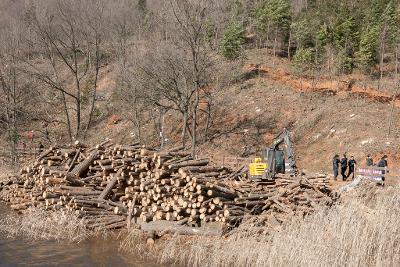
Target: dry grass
[6,171]
[37,224]
[134,242]
[361,231]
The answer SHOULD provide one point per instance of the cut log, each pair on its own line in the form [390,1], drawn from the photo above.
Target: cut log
[84,165]
[71,166]
[199,162]
[73,180]
[110,185]
[174,228]
[44,154]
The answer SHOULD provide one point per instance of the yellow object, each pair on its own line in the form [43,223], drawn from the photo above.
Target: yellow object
[257,168]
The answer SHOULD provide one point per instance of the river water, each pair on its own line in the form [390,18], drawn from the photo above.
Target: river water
[94,252]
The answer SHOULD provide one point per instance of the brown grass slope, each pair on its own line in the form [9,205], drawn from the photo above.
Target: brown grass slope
[251,109]
[252,112]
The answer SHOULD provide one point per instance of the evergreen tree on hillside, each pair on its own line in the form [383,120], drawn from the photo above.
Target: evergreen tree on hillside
[233,40]
[338,36]
[368,49]
[273,16]
[388,30]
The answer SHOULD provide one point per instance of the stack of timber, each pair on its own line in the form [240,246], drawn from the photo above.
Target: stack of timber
[114,186]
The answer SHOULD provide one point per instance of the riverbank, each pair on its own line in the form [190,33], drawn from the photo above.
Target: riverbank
[360,230]
[95,251]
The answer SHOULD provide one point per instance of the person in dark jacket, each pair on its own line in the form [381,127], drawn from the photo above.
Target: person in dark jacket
[383,164]
[369,161]
[343,167]
[40,147]
[352,164]
[335,163]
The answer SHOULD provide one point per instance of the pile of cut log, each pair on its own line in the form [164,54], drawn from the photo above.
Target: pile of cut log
[112,186]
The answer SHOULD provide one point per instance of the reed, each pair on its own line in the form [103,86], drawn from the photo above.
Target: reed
[362,230]
[37,224]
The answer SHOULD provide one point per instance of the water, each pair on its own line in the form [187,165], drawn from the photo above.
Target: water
[95,252]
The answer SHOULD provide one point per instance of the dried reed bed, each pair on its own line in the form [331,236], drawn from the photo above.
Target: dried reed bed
[363,230]
[133,241]
[36,224]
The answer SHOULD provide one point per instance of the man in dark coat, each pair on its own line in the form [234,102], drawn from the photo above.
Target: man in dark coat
[352,164]
[40,147]
[383,164]
[369,161]
[335,163]
[343,167]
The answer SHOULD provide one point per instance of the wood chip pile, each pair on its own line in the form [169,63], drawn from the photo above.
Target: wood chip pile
[112,186]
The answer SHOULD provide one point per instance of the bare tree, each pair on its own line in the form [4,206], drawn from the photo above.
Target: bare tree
[94,32]
[66,43]
[15,90]
[126,28]
[69,35]
[9,87]
[189,20]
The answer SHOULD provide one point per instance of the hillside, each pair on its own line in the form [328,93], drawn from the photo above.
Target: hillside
[324,120]
[142,117]
[254,108]
[251,111]
[135,83]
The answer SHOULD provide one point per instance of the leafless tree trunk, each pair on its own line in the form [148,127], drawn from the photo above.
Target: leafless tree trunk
[275,41]
[208,122]
[162,128]
[289,43]
[184,126]
[14,139]
[267,41]
[396,84]
[95,30]
[138,123]
[194,124]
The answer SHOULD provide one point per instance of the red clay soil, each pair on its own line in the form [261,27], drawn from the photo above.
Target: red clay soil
[333,87]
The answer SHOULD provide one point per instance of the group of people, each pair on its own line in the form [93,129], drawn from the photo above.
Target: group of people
[347,167]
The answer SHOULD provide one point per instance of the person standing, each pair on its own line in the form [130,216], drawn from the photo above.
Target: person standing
[369,161]
[40,147]
[343,167]
[383,164]
[335,163]
[352,164]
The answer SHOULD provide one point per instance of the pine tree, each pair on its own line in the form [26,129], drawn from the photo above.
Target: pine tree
[304,57]
[231,47]
[273,15]
[368,49]
[388,27]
